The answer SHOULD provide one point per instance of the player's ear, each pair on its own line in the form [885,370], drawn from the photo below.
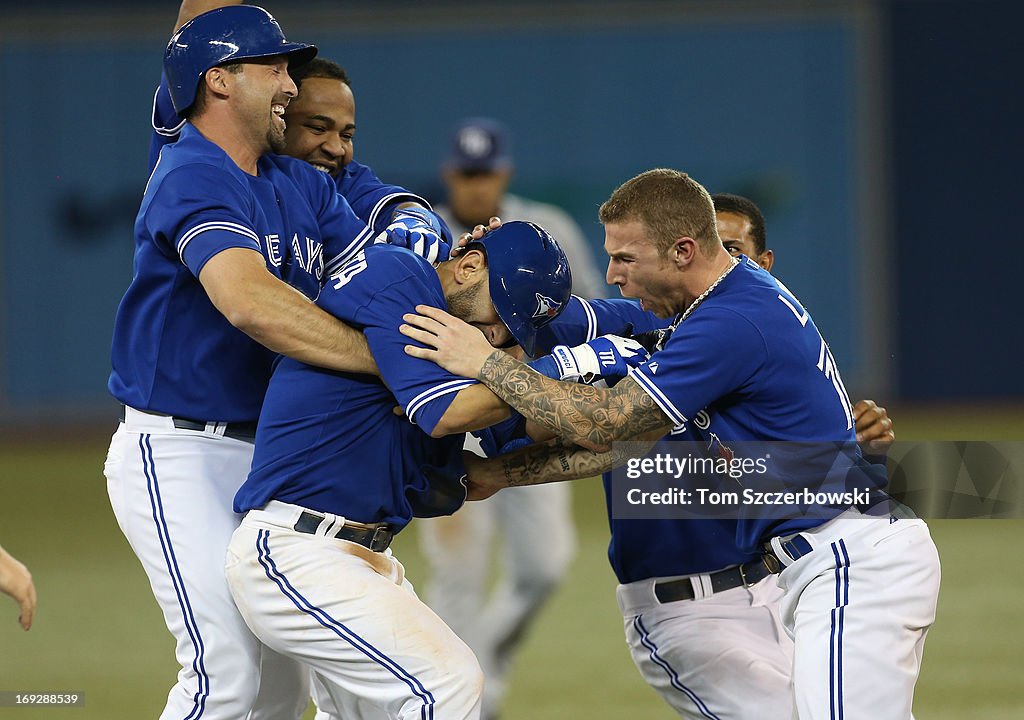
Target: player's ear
[217,81]
[682,251]
[766,260]
[470,264]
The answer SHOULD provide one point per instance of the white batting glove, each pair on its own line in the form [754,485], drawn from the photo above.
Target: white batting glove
[608,357]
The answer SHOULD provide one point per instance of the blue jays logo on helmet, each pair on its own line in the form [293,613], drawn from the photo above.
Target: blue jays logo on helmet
[529,276]
[227,34]
[547,307]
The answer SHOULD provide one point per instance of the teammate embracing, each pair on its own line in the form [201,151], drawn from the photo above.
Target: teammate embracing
[743,363]
[231,244]
[336,474]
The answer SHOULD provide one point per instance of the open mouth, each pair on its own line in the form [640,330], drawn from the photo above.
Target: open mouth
[278,110]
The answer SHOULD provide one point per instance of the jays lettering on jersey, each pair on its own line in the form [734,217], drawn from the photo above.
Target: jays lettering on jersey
[751,357]
[173,351]
[372,200]
[583,320]
[329,441]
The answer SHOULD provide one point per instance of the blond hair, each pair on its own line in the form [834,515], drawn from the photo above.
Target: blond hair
[670,204]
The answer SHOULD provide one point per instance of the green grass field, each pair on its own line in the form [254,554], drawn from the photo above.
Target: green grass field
[99,631]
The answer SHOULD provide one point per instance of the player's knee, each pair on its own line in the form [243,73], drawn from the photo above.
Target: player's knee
[541,576]
[465,672]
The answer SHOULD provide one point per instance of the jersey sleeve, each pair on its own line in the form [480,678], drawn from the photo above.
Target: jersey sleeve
[711,355]
[166,123]
[198,211]
[372,292]
[372,200]
[583,320]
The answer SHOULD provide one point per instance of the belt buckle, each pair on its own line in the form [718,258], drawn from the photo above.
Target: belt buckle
[771,562]
[381,539]
[743,576]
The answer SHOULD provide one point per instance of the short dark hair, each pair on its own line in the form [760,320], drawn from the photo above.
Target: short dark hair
[739,205]
[318,68]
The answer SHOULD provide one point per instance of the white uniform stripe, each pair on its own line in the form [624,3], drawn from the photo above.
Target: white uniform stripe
[351,250]
[433,393]
[648,386]
[394,197]
[588,310]
[199,229]
[165,131]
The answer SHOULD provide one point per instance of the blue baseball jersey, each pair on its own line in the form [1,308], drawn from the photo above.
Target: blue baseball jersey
[329,441]
[372,200]
[640,549]
[751,363]
[173,351]
[583,320]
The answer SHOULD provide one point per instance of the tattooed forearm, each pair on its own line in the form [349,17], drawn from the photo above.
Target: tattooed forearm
[557,460]
[592,417]
[551,462]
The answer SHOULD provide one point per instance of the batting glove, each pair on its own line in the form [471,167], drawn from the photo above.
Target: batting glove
[421,231]
[608,357]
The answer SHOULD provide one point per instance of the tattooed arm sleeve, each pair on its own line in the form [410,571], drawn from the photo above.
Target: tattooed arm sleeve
[580,414]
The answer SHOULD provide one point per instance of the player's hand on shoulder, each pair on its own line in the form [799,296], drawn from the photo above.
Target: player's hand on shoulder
[874,427]
[421,231]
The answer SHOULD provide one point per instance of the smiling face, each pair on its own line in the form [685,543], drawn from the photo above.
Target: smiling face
[322,124]
[639,269]
[260,92]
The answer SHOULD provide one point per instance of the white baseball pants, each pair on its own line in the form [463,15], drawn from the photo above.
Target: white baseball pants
[171,491]
[723,656]
[858,607]
[350,615]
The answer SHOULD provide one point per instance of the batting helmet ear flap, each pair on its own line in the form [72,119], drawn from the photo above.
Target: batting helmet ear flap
[227,34]
[529,277]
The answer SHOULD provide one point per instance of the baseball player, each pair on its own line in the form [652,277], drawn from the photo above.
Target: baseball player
[744,362]
[336,474]
[749,649]
[320,128]
[231,244]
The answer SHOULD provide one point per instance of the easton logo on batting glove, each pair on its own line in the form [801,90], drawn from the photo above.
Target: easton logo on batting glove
[421,231]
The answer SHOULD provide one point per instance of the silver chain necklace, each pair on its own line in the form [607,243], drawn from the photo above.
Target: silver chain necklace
[703,295]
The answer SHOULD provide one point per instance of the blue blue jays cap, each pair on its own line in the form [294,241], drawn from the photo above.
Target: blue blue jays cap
[479,145]
[529,278]
[227,34]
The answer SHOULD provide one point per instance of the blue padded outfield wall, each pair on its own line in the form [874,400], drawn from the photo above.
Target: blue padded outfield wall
[783,106]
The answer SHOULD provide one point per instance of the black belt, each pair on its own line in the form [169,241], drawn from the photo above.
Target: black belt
[721,581]
[375,537]
[245,431]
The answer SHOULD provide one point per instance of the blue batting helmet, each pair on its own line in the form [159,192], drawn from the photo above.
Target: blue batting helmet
[227,34]
[529,277]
